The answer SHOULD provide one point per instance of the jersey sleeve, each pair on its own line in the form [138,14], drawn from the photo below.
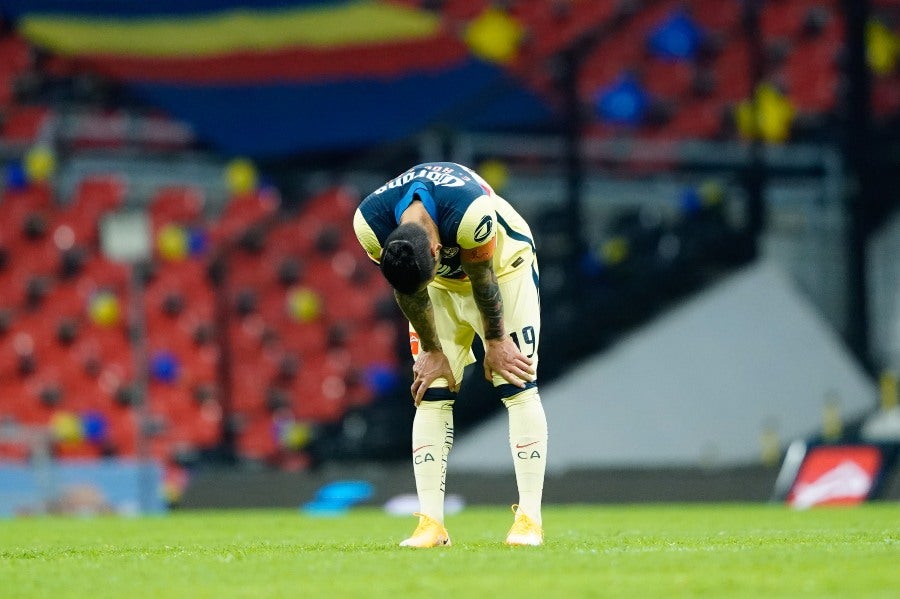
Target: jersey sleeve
[366,236]
[478,225]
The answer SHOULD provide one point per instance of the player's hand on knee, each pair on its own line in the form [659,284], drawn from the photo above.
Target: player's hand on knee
[502,356]
[430,366]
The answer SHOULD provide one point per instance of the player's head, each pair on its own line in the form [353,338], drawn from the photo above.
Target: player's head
[408,260]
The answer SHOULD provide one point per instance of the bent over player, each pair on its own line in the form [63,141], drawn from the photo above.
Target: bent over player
[462,263]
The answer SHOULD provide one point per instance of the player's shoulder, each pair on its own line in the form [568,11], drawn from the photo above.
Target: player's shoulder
[477,225]
[373,219]
[379,201]
[369,232]
[455,185]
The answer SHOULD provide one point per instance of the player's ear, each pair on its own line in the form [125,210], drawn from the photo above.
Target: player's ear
[436,250]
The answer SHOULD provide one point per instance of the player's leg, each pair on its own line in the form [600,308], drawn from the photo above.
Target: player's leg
[432,439]
[527,421]
[432,431]
[433,428]
[528,444]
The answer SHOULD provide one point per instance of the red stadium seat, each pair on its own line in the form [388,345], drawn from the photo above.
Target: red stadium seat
[334,206]
[77,450]
[185,282]
[177,204]
[109,345]
[701,119]
[101,273]
[25,283]
[81,227]
[320,393]
[256,440]
[304,338]
[322,407]
[206,429]
[374,343]
[787,19]
[886,96]
[23,124]
[67,300]
[242,212]
[249,270]
[14,451]
[716,15]
[732,72]
[20,402]
[32,197]
[667,79]
[38,257]
[83,392]
[247,393]
[93,197]
[196,365]
[25,217]
[291,237]
[462,10]
[123,424]
[167,401]
[550,34]
[611,58]
[15,54]
[98,194]
[813,90]
[340,298]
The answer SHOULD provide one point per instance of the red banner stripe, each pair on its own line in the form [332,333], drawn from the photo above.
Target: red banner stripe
[289,65]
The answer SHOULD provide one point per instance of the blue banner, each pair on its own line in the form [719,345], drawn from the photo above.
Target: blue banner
[271,120]
[94,487]
[145,8]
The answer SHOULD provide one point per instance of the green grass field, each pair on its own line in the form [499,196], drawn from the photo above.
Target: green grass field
[591,551]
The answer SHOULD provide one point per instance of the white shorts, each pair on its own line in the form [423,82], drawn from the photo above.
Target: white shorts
[458,321]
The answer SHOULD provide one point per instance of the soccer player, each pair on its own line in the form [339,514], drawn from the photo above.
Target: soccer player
[462,263]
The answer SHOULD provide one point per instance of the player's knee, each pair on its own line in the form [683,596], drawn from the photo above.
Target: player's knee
[529,394]
[436,394]
[436,404]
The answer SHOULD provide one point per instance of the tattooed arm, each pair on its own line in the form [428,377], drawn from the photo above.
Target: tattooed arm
[501,355]
[431,363]
[418,310]
[486,292]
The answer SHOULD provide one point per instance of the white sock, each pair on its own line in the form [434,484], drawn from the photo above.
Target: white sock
[528,444]
[432,439]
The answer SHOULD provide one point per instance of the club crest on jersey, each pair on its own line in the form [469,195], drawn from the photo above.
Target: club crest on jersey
[449,252]
[483,231]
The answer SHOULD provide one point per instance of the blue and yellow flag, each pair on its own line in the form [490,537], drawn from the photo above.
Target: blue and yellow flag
[267,78]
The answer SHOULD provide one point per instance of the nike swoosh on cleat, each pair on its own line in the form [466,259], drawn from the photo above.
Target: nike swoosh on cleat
[421,447]
[522,446]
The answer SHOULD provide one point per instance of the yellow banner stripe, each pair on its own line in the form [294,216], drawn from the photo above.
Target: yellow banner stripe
[358,23]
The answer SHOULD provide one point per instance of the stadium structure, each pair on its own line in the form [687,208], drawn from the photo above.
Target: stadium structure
[711,183]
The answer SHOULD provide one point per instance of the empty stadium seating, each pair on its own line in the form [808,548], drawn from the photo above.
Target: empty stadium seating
[66,354]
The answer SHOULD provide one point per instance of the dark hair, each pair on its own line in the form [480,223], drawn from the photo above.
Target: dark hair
[406,261]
